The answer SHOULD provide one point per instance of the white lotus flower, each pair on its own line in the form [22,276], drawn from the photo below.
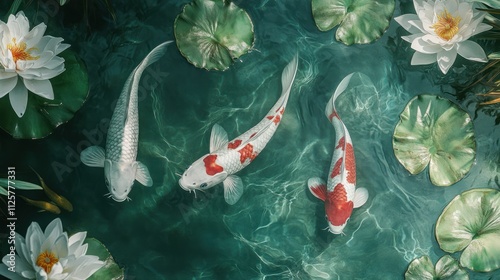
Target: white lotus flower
[440,30]
[50,255]
[27,61]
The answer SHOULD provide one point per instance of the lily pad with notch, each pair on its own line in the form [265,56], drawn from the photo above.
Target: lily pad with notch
[110,270]
[211,34]
[446,268]
[471,222]
[436,132]
[42,116]
[359,21]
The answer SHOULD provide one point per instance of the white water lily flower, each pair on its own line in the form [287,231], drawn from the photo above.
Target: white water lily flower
[27,61]
[50,255]
[440,30]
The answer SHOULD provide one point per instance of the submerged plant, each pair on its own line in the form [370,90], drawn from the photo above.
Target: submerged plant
[210,34]
[359,21]
[434,131]
[446,268]
[441,30]
[471,222]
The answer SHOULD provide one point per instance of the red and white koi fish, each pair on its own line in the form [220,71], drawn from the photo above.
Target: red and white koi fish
[339,193]
[226,158]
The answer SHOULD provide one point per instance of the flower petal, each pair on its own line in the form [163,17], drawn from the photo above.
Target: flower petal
[6,85]
[54,227]
[41,88]
[404,21]
[471,51]
[61,246]
[446,59]
[9,274]
[481,28]
[75,241]
[34,36]
[422,46]
[423,59]
[19,100]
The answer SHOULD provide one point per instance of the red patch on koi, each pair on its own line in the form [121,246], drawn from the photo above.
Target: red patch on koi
[211,167]
[336,168]
[337,208]
[277,110]
[270,117]
[341,143]
[247,153]
[234,144]
[251,136]
[282,111]
[350,164]
[333,115]
[277,119]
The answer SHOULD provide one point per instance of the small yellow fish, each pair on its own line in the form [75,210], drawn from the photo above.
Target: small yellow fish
[44,205]
[57,199]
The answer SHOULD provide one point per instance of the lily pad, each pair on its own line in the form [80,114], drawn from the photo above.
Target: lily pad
[210,34]
[471,222]
[360,21]
[110,270]
[446,268]
[42,116]
[434,131]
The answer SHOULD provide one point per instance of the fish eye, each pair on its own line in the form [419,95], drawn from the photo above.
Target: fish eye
[204,185]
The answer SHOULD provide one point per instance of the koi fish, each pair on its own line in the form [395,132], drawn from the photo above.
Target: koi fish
[59,200]
[119,159]
[44,205]
[226,158]
[339,193]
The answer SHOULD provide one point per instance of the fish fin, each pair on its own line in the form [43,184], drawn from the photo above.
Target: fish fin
[317,187]
[218,138]
[360,197]
[93,156]
[142,175]
[288,75]
[330,106]
[233,189]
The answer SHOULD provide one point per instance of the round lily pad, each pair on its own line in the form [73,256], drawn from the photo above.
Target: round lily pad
[110,270]
[361,21]
[471,222]
[42,116]
[434,131]
[446,268]
[210,34]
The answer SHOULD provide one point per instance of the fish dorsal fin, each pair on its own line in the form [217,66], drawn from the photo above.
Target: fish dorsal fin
[93,156]
[142,175]
[360,197]
[317,187]
[233,189]
[218,138]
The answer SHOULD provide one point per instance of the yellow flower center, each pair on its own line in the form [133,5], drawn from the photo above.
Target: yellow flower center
[46,260]
[19,51]
[446,26]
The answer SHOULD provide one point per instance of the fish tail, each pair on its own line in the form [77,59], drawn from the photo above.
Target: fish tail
[330,110]
[151,58]
[287,78]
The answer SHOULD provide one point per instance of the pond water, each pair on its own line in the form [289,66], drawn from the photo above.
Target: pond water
[276,230]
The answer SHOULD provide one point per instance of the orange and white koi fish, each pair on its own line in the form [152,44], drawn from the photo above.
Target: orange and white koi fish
[339,193]
[226,158]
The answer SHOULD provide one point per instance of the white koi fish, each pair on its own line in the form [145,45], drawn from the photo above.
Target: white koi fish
[119,160]
[226,158]
[339,193]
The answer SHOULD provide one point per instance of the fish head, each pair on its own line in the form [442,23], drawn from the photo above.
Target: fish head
[119,177]
[337,215]
[203,174]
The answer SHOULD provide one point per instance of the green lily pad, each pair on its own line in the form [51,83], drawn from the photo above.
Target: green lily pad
[110,270]
[210,34]
[446,268]
[434,131]
[471,222]
[361,21]
[42,116]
